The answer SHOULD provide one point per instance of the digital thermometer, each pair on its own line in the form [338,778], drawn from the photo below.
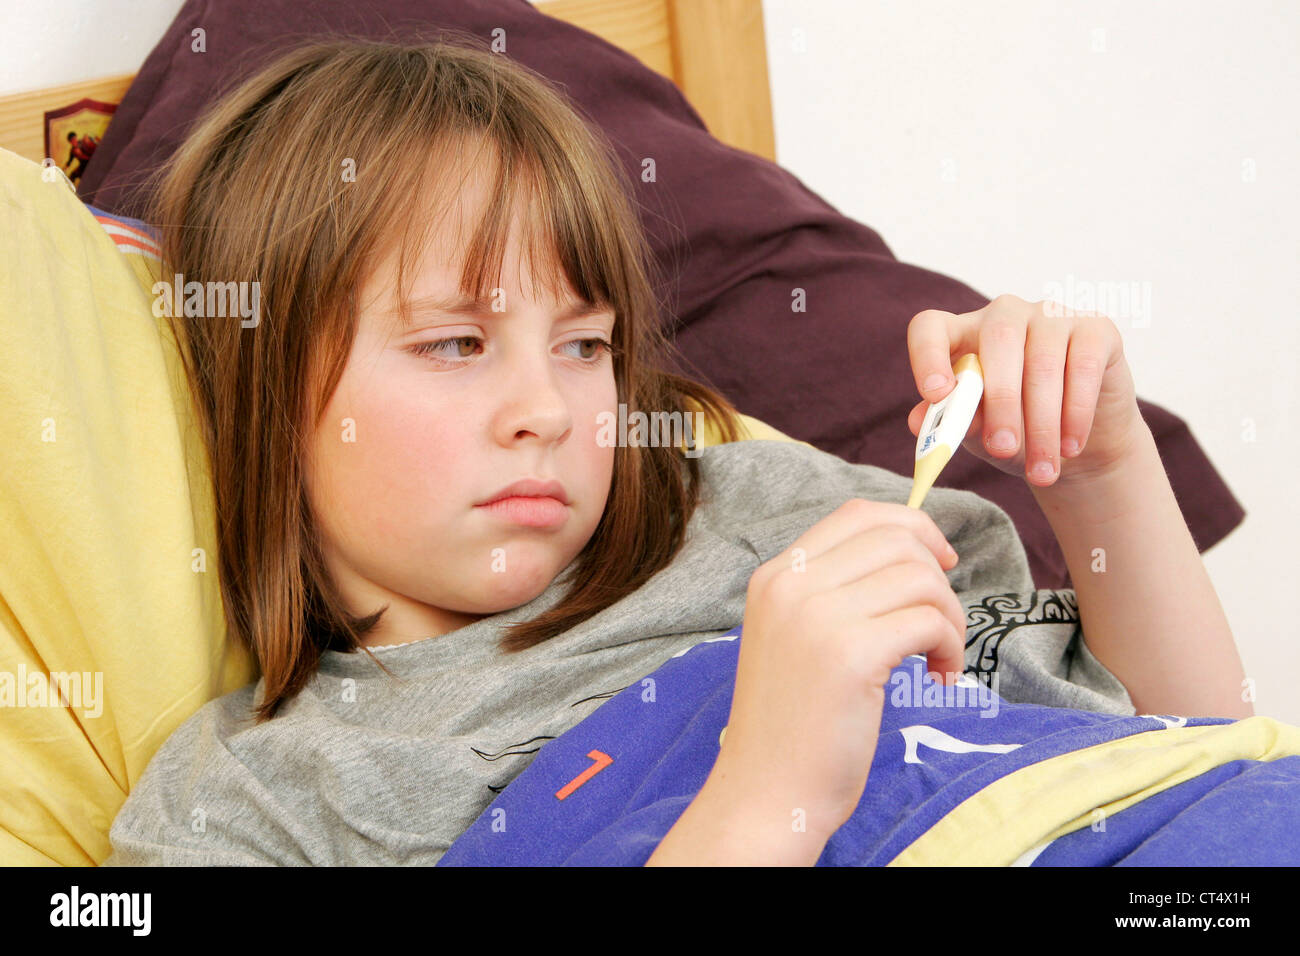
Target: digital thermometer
[945,426]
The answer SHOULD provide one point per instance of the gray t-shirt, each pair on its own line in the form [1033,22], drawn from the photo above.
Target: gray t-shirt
[361,768]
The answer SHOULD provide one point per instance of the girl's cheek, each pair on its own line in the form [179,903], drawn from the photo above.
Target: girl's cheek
[415,437]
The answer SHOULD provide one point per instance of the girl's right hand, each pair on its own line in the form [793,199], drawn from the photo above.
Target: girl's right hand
[823,628]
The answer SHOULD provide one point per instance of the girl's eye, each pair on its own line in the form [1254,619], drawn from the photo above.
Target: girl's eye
[438,348]
[455,348]
[598,346]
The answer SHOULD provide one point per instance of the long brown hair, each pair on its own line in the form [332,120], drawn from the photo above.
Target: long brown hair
[257,192]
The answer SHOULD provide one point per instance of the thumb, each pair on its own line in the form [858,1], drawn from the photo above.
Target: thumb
[916,416]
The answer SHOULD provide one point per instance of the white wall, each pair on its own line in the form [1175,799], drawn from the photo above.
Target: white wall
[1023,146]
[63,41]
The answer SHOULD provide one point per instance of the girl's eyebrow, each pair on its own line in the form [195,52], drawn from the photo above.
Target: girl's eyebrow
[471,305]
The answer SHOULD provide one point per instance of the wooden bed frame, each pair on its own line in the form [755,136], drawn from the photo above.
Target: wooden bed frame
[714,50]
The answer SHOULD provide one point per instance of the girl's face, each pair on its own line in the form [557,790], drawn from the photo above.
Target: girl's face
[420,432]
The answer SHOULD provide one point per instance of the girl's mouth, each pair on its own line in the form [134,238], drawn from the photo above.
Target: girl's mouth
[534,512]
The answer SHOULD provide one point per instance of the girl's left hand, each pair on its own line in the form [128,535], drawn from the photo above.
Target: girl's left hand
[1057,377]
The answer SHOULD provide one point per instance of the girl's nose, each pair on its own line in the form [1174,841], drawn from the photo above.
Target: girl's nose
[531,402]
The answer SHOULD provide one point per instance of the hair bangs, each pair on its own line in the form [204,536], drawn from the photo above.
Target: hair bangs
[545,212]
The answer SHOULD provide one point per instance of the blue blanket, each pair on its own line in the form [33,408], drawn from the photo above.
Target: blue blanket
[959,776]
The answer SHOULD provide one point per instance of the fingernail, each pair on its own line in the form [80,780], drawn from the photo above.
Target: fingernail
[1070,447]
[934,381]
[1003,439]
[1043,471]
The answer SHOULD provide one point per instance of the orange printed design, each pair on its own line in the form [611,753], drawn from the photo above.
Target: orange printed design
[600,761]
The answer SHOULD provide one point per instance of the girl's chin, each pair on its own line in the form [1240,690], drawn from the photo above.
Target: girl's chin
[511,583]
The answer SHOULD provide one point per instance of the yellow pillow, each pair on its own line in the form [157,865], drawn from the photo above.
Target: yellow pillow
[109,569]
[100,574]
[751,429]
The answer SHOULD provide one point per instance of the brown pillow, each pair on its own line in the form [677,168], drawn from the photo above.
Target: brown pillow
[735,233]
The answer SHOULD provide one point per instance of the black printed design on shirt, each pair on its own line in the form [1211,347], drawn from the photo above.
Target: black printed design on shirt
[522,748]
[996,616]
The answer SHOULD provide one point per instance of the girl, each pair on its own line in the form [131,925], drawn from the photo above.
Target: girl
[440,564]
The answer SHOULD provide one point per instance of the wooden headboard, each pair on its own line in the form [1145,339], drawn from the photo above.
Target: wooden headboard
[714,50]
